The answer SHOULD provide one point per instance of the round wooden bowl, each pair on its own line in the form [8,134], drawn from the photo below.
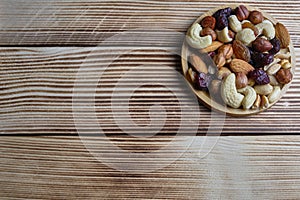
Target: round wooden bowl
[205,98]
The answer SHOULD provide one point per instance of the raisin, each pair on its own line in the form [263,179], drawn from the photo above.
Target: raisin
[221,22]
[203,80]
[276,46]
[261,59]
[260,77]
[226,12]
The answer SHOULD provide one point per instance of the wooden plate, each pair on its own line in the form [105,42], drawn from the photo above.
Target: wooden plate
[204,97]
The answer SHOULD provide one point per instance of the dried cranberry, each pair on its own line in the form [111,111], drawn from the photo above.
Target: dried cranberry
[203,80]
[260,76]
[276,46]
[226,12]
[261,59]
[221,22]
[212,54]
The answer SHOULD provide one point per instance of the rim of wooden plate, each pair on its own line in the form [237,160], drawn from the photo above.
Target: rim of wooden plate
[204,97]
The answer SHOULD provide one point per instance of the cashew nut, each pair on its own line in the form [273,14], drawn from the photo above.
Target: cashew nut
[246,36]
[273,69]
[263,89]
[273,80]
[267,29]
[275,61]
[223,35]
[250,96]
[234,23]
[194,39]
[229,93]
[274,96]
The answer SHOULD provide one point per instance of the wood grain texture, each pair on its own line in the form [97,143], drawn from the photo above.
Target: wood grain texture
[265,167]
[37,90]
[65,22]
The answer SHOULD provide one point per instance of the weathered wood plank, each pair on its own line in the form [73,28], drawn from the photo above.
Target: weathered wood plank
[37,88]
[241,167]
[64,22]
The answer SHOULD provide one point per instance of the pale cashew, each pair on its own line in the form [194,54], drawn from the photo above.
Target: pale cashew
[194,39]
[275,95]
[250,96]
[273,80]
[223,35]
[234,23]
[229,93]
[273,69]
[246,36]
[267,29]
[275,61]
[263,89]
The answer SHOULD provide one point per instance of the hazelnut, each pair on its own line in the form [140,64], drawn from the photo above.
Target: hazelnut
[261,45]
[208,31]
[223,72]
[208,21]
[256,17]
[226,50]
[215,86]
[241,80]
[242,12]
[284,76]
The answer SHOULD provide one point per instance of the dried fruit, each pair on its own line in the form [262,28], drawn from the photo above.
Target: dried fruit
[242,12]
[261,45]
[284,76]
[226,12]
[221,22]
[202,81]
[283,35]
[241,51]
[261,59]
[208,31]
[241,80]
[208,22]
[238,65]
[276,46]
[260,77]
[256,17]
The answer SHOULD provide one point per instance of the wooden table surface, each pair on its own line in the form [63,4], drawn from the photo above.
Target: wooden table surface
[44,44]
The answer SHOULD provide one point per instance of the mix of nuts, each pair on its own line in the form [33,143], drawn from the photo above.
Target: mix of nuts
[251,54]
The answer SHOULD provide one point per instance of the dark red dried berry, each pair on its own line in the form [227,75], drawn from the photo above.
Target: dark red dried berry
[221,22]
[260,76]
[261,59]
[226,12]
[276,46]
[203,80]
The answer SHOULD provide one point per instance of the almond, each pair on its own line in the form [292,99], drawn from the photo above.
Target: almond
[241,51]
[214,46]
[238,65]
[198,64]
[283,35]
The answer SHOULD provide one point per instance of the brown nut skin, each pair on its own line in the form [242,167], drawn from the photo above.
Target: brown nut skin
[242,12]
[252,27]
[215,86]
[208,21]
[208,31]
[241,80]
[223,72]
[231,34]
[226,50]
[284,76]
[262,45]
[220,60]
[256,17]
[241,51]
